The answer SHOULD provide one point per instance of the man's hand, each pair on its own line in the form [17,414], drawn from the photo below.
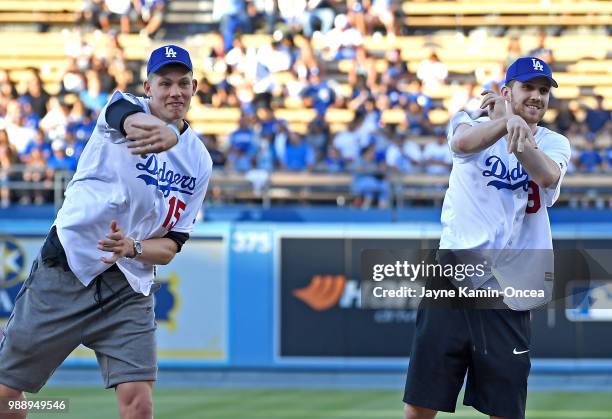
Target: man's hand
[148,138]
[494,104]
[148,134]
[519,132]
[117,243]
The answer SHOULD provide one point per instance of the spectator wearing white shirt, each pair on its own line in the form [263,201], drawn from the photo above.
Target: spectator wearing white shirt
[18,133]
[437,157]
[151,13]
[381,12]
[404,156]
[341,42]
[432,72]
[319,12]
[275,57]
[467,99]
[347,142]
[120,9]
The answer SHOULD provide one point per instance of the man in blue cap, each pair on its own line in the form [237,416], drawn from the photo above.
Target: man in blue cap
[131,205]
[506,171]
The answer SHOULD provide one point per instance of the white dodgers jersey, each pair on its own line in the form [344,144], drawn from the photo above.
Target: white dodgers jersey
[148,195]
[492,204]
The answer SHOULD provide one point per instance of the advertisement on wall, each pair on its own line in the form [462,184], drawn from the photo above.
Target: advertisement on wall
[321,316]
[191,305]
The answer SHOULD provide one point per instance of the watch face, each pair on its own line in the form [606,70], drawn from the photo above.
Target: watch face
[138,247]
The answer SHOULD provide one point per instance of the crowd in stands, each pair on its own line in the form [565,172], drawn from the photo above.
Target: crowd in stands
[105,14]
[46,133]
[41,133]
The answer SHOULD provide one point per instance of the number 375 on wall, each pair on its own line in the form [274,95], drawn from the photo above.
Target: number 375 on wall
[251,242]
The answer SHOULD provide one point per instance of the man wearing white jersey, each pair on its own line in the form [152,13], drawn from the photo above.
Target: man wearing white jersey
[506,172]
[131,205]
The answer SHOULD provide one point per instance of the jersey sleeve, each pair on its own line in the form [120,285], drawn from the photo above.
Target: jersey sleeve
[557,147]
[104,128]
[458,119]
[185,223]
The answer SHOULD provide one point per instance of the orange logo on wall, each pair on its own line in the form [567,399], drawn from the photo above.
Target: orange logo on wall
[323,292]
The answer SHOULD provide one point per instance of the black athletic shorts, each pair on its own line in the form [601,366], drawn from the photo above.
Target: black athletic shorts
[490,345]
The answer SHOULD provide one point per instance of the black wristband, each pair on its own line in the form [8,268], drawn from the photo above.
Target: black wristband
[178,238]
[118,111]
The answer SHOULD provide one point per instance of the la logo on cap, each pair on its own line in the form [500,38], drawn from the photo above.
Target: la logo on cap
[537,65]
[170,53]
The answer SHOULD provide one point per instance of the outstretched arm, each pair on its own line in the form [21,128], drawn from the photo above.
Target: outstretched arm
[472,139]
[147,133]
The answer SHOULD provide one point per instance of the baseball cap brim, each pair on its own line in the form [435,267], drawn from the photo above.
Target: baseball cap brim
[531,76]
[156,67]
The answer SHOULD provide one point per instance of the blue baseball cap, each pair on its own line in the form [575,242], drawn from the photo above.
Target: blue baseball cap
[168,54]
[527,68]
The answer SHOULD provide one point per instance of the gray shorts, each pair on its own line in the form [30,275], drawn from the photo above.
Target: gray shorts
[54,313]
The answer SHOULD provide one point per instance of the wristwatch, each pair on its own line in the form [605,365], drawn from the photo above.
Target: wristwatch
[137,248]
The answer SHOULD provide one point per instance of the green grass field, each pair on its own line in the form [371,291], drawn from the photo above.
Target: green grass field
[192,403]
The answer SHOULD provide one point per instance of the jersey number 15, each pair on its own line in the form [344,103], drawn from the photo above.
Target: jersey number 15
[174,213]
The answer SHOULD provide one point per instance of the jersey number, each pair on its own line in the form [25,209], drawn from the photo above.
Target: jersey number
[174,213]
[533,198]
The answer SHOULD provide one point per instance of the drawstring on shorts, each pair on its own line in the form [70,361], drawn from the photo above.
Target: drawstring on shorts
[99,280]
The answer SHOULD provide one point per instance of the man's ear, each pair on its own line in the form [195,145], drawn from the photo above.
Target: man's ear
[147,87]
[506,93]
[194,83]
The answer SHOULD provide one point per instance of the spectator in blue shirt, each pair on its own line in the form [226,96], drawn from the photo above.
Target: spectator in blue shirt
[244,138]
[369,183]
[93,97]
[40,143]
[239,161]
[31,118]
[418,121]
[395,97]
[318,94]
[596,119]
[84,128]
[332,162]
[298,154]
[589,159]
[59,160]
[267,121]
[73,147]
[415,94]
[396,67]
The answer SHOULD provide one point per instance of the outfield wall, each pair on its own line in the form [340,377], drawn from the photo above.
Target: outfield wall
[229,298]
